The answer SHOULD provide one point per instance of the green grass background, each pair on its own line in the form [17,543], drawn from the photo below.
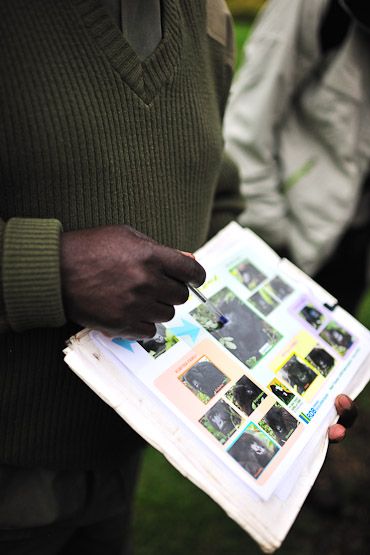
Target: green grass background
[173,517]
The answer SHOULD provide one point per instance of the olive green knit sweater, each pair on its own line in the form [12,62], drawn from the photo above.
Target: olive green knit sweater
[90,136]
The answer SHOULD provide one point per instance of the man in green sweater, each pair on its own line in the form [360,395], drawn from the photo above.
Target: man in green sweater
[106,123]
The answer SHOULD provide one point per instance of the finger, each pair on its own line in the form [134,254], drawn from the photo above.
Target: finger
[346,409]
[173,292]
[160,313]
[183,268]
[143,330]
[336,433]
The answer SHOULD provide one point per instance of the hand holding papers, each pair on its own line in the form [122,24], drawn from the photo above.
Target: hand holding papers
[242,409]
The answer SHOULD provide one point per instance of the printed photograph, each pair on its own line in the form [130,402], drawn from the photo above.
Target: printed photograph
[321,360]
[297,374]
[245,335]
[221,421]
[281,391]
[278,423]
[279,288]
[340,339]
[253,450]
[204,379]
[246,395]
[162,341]
[263,301]
[248,274]
[312,315]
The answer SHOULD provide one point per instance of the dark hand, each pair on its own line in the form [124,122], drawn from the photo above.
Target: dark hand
[347,415]
[121,282]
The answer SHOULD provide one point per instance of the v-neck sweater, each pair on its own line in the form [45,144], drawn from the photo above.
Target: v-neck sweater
[92,136]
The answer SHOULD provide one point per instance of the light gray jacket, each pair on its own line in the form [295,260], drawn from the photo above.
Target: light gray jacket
[298,126]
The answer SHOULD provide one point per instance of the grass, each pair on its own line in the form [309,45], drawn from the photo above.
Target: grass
[174,517]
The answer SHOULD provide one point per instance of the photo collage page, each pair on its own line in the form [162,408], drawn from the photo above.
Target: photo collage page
[250,419]
[253,416]
[253,386]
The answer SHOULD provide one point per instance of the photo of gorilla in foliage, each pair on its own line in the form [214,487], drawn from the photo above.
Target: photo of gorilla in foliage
[279,424]
[281,392]
[337,337]
[297,375]
[160,342]
[312,316]
[263,301]
[246,335]
[248,274]
[221,420]
[321,360]
[246,395]
[253,450]
[204,380]
[279,288]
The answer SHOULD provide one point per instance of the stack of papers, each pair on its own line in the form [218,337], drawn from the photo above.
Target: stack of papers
[241,409]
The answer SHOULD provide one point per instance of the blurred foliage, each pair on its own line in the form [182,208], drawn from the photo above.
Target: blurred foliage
[243,28]
[244,8]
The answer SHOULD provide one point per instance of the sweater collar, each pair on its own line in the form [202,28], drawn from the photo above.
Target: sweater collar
[144,77]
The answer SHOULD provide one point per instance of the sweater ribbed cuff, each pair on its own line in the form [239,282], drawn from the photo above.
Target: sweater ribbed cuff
[31,273]
[3,322]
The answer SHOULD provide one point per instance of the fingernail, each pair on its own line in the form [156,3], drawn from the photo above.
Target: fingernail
[344,402]
[188,254]
[338,438]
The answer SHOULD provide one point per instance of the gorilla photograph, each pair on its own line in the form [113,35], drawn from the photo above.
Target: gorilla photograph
[263,301]
[337,337]
[279,424]
[204,380]
[297,374]
[246,335]
[279,288]
[248,274]
[321,360]
[253,450]
[281,391]
[312,315]
[246,395]
[161,342]
[221,421]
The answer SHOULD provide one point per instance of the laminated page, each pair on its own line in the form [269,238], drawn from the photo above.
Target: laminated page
[256,390]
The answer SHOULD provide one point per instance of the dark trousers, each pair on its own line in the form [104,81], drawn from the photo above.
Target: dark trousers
[46,512]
